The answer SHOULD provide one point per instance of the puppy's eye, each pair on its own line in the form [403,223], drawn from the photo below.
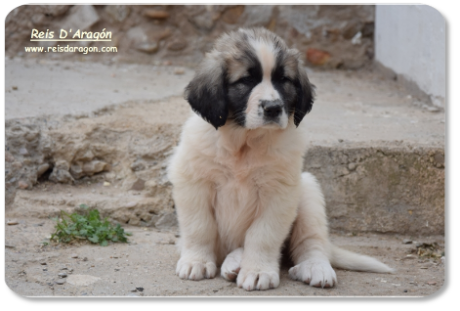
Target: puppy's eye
[245,80]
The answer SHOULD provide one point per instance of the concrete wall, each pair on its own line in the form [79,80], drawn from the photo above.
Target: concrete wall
[411,41]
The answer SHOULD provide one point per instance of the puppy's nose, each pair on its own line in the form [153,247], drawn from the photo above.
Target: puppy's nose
[272,108]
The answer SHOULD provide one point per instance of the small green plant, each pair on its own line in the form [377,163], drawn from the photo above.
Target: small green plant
[87,226]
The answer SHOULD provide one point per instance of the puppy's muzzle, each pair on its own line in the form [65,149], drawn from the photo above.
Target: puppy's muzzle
[272,108]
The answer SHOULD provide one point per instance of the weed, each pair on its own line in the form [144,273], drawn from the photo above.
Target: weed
[87,226]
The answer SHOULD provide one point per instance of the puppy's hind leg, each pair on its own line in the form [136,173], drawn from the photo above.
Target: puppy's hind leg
[309,244]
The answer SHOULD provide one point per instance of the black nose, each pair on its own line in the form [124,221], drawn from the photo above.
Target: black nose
[272,108]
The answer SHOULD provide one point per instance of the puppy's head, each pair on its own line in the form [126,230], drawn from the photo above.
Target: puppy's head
[253,79]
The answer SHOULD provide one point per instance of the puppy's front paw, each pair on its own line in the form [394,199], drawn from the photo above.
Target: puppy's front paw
[231,265]
[257,280]
[317,273]
[196,270]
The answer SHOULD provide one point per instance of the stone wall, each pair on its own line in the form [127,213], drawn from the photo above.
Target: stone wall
[331,36]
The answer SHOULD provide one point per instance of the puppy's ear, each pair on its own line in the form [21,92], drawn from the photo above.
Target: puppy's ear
[305,94]
[206,93]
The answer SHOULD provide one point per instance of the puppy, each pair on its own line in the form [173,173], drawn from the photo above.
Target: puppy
[237,174]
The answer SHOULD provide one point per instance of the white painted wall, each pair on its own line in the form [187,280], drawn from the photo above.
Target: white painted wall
[411,40]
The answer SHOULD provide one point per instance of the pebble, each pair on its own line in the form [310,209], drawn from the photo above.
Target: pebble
[62,275]
[431,283]
[15,88]
[407,241]
[60,281]
[179,71]
[106,184]
[12,223]
[43,263]
[148,48]
[74,256]
[141,289]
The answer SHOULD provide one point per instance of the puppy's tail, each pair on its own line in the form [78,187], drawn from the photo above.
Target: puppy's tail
[343,259]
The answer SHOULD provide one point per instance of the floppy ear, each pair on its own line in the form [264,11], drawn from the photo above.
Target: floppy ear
[305,94]
[206,93]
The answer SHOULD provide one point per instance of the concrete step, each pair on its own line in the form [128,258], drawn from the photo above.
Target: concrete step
[377,151]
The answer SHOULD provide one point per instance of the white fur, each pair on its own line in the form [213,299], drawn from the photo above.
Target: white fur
[239,190]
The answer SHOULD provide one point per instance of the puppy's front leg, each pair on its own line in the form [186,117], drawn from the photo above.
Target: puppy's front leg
[262,245]
[198,231]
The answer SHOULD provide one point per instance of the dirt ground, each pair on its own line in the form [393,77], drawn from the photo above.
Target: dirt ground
[146,267]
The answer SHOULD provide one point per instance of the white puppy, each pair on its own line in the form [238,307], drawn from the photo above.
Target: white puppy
[238,187]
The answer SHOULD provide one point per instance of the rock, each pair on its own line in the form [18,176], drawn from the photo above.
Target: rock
[60,281]
[352,166]
[42,169]
[9,157]
[15,88]
[106,184]
[12,223]
[76,171]
[74,256]
[439,159]
[166,221]
[357,38]
[177,44]
[317,57]
[203,21]
[407,241]
[156,14]
[232,15]
[61,176]
[258,15]
[23,151]
[141,289]
[148,48]
[62,275]
[130,204]
[118,12]
[138,185]
[84,155]
[23,184]
[80,17]
[152,188]
[94,167]
[54,10]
